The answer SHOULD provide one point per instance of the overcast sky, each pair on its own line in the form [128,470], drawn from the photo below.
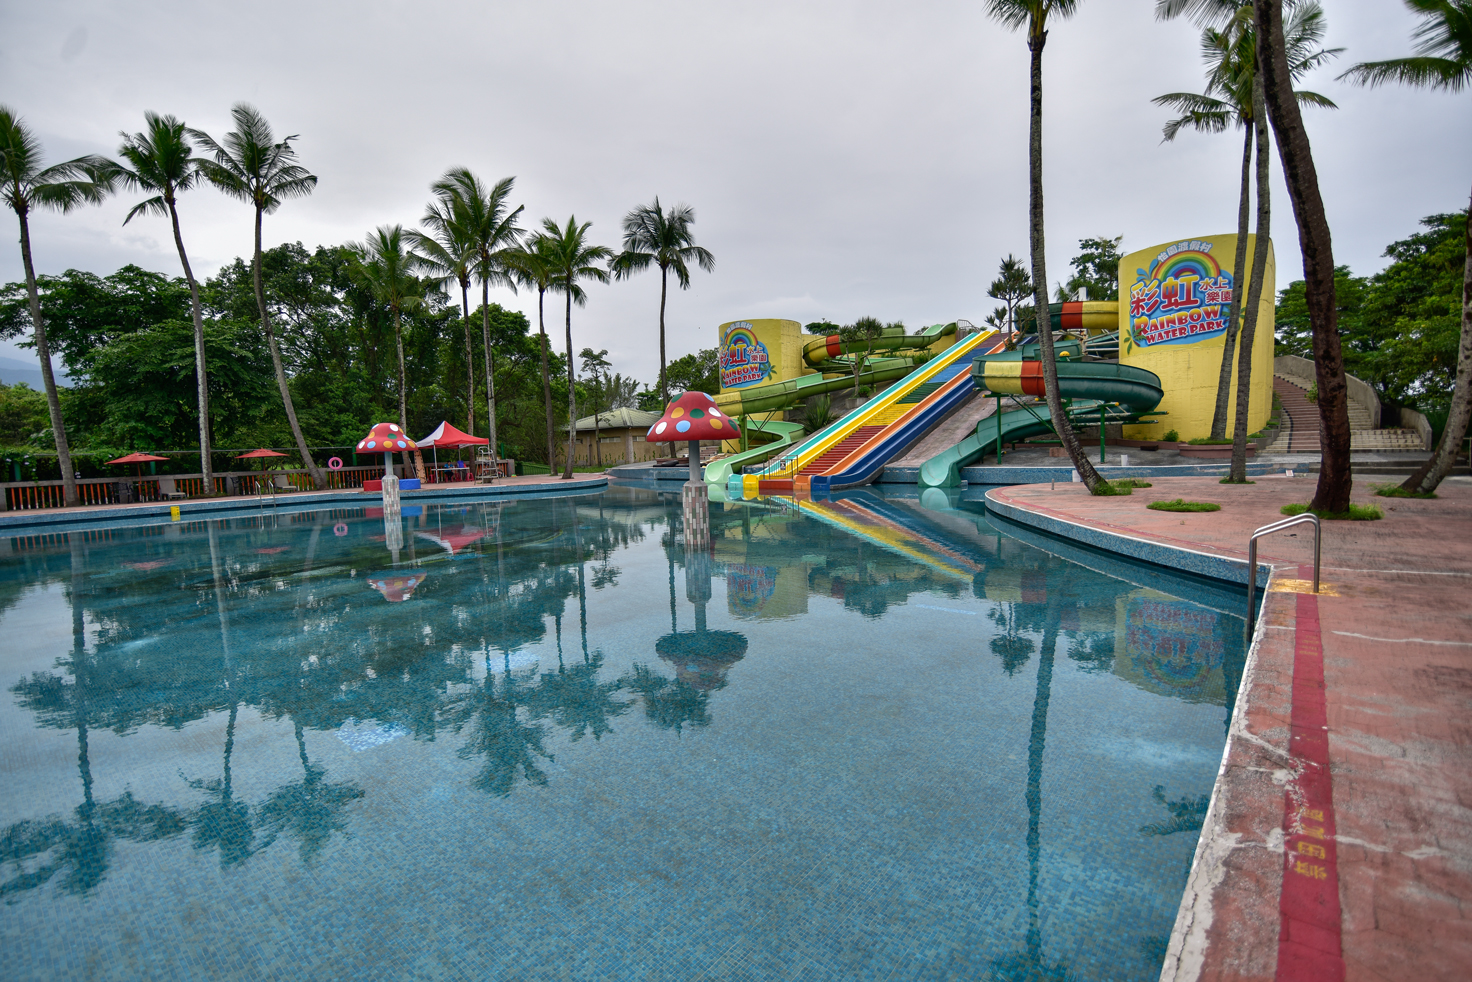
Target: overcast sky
[842,158]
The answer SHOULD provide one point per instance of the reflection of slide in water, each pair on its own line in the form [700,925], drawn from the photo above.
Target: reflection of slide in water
[868,517]
[853,450]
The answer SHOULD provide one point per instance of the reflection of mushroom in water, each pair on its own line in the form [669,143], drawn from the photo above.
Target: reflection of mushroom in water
[700,657]
[396,587]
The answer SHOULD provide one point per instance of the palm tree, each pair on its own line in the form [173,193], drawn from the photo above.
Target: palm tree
[251,165]
[1443,60]
[1033,15]
[161,160]
[532,267]
[652,237]
[60,187]
[595,367]
[570,258]
[1229,51]
[488,224]
[447,254]
[1011,287]
[386,269]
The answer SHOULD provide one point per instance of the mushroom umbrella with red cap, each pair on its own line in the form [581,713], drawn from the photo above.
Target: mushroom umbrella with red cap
[692,418]
[261,453]
[387,439]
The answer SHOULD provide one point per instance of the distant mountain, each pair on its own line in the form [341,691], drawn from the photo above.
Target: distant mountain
[13,370]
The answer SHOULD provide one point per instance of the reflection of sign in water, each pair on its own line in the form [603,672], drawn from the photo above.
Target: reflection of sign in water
[744,359]
[748,588]
[1182,298]
[1173,647]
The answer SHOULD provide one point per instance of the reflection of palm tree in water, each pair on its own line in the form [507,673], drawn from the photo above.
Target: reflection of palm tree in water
[309,810]
[83,847]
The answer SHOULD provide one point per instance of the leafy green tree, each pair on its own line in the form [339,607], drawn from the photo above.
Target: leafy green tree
[1095,270]
[822,327]
[386,268]
[698,372]
[652,237]
[570,259]
[60,187]
[532,267]
[161,160]
[1032,16]
[595,370]
[22,413]
[1443,60]
[1011,286]
[864,331]
[251,165]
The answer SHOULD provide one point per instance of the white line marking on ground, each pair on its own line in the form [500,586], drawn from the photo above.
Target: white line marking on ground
[1366,637]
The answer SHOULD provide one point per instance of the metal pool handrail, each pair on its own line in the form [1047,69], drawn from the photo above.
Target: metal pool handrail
[1252,556]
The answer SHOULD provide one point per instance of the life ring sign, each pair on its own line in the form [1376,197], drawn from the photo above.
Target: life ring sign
[340,529]
[335,463]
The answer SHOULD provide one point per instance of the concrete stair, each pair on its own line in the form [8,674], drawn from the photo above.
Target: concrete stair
[1301,434]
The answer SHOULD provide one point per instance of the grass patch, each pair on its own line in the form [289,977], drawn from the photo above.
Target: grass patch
[1396,491]
[1179,504]
[1131,482]
[1228,480]
[1356,513]
[1210,441]
[1107,488]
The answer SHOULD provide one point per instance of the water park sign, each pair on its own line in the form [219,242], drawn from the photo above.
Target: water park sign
[744,359]
[1183,297]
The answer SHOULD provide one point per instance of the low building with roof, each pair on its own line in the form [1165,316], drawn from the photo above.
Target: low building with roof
[620,435]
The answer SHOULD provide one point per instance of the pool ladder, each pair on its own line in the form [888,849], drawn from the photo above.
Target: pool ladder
[1252,558]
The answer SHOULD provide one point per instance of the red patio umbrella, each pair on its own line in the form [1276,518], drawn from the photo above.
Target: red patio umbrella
[137,458]
[262,453]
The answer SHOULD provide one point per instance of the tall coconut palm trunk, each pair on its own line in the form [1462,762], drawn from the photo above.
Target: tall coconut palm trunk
[201,378]
[469,359]
[1335,480]
[48,378]
[1238,473]
[404,397]
[1435,470]
[485,330]
[664,387]
[572,396]
[296,428]
[547,386]
[1234,309]
[1096,484]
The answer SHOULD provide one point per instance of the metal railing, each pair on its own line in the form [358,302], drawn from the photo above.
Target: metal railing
[1252,558]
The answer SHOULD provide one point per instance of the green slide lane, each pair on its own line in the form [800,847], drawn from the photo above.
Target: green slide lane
[1126,393]
[717,472]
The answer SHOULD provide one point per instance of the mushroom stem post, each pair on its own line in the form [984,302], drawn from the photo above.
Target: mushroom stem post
[695,460]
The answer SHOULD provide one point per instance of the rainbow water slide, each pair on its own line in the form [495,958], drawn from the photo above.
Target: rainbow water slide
[854,449]
[831,357]
[1116,393]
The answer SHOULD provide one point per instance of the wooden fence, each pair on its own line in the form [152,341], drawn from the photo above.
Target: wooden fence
[30,495]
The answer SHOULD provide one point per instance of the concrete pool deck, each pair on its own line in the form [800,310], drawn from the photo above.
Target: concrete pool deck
[1338,844]
[194,508]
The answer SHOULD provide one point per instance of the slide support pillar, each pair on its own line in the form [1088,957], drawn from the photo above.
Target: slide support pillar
[999,429]
[1101,433]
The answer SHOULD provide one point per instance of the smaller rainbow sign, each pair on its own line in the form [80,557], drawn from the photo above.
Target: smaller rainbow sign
[1184,297]
[744,359]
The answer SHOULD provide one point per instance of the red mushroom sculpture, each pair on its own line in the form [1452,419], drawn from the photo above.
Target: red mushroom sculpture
[387,439]
[691,418]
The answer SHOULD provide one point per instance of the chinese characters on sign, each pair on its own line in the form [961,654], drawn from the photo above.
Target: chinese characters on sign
[1182,298]
[744,359]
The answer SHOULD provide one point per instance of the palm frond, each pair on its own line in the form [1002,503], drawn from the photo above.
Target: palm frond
[1429,73]
[1308,98]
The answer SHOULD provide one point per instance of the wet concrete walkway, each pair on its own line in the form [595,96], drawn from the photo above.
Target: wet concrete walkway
[1339,840]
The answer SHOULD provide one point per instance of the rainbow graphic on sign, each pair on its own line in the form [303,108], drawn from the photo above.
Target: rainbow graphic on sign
[744,359]
[1184,297]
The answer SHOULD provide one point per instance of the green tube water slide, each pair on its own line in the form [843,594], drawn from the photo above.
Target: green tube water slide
[829,355]
[1123,392]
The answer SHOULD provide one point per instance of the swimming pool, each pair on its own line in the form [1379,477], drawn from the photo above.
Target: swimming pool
[542,739]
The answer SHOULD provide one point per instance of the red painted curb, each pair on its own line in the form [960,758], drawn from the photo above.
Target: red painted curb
[1309,937]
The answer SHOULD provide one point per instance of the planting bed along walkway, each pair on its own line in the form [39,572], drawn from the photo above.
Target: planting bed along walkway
[1338,844]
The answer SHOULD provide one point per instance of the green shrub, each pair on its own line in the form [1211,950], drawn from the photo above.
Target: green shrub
[1396,491]
[1312,395]
[1178,504]
[1356,513]
[1171,436]
[1210,441]
[1131,482]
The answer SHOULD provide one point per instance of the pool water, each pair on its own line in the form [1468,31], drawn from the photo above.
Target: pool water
[547,739]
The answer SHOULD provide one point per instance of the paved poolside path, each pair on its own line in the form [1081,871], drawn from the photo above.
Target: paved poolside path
[1339,841]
